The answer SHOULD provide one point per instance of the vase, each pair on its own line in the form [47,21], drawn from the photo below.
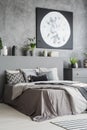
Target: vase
[14,50]
[45,53]
[32,52]
[5,51]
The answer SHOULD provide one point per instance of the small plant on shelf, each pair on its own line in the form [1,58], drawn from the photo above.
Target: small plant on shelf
[32,43]
[73,62]
[30,46]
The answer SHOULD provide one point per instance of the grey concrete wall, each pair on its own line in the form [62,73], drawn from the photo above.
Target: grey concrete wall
[17,22]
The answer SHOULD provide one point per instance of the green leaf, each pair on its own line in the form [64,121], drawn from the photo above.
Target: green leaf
[73,60]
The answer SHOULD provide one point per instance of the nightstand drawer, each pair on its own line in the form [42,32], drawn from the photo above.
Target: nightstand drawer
[83,80]
[79,73]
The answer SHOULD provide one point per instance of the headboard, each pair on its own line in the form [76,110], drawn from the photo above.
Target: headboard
[16,62]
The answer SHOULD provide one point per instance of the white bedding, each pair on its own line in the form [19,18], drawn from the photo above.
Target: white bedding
[10,119]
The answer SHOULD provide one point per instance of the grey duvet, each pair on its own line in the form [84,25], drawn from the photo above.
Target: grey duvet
[45,100]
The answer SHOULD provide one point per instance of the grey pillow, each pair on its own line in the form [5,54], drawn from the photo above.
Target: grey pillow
[52,73]
[14,78]
[48,74]
[28,72]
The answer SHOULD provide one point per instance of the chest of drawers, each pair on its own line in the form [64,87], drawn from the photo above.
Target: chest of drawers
[76,74]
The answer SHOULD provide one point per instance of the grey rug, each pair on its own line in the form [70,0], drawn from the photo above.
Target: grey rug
[77,124]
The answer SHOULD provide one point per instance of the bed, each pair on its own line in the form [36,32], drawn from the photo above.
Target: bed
[43,99]
[46,100]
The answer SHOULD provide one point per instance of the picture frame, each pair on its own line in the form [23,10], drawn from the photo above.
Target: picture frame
[54,29]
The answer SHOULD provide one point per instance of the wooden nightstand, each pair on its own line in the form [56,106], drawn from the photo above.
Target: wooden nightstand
[76,74]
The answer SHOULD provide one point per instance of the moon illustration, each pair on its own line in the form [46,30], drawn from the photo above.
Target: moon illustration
[55,29]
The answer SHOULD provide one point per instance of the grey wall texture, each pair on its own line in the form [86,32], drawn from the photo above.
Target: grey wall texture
[18,22]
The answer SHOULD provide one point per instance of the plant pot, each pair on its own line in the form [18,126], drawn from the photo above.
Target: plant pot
[74,65]
[32,52]
[26,53]
[1,52]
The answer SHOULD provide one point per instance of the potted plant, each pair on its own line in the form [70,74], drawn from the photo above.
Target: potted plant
[32,45]
[74,62]
[29,48]
[1,46]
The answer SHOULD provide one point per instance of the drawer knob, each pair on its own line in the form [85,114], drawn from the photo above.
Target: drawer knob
[77,74]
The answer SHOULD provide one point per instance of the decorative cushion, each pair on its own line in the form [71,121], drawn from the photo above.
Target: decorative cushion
[28,72]
[13,77]
[38,78]
[51,73]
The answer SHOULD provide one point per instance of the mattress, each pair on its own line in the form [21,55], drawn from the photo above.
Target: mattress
[11,119]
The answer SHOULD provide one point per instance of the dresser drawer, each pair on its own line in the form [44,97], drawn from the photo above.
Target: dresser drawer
[79,73]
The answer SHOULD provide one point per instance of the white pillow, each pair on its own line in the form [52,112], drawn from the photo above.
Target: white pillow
[51,73]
